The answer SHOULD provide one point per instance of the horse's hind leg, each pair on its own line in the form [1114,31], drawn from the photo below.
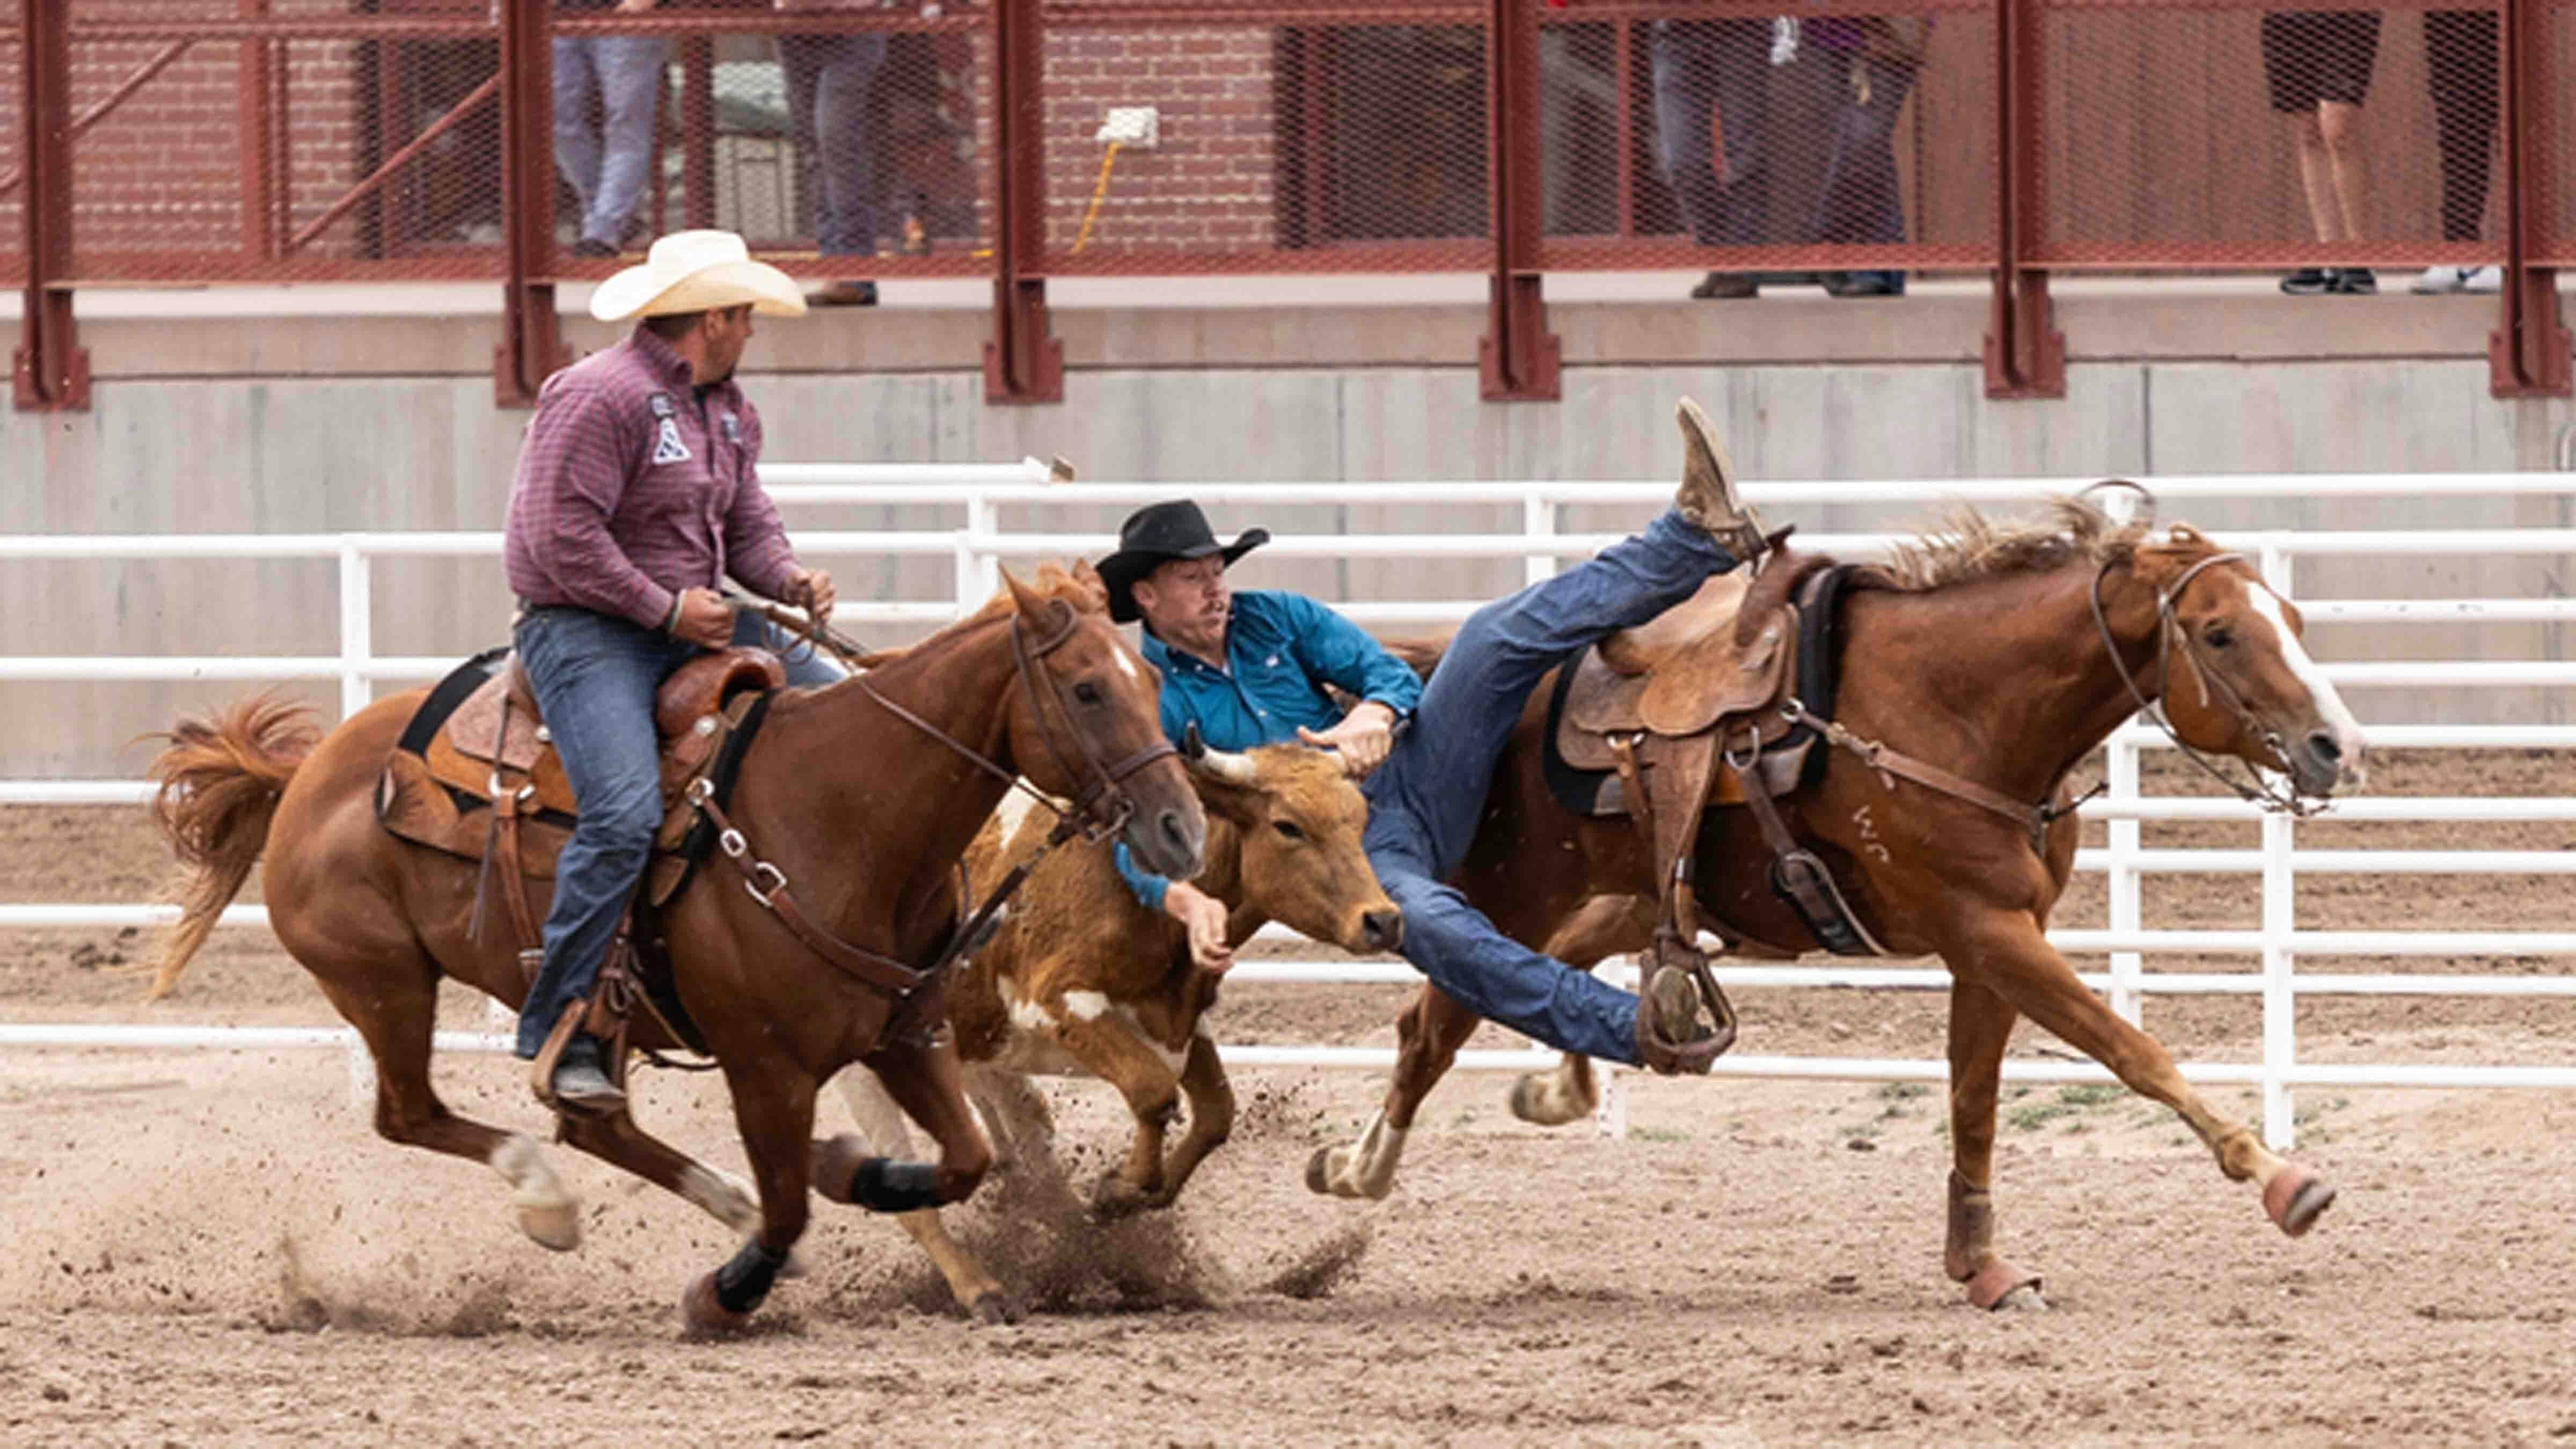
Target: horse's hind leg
[396,1012]
[1428,1036]
[2011,957]
[1980,1027]
[728,1199]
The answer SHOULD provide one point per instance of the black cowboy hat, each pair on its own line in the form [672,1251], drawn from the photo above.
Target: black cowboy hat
[1155,535]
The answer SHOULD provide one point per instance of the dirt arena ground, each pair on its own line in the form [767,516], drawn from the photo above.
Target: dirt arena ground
[213,1247]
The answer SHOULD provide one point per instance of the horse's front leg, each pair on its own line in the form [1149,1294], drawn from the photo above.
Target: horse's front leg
[1428,1036]
[773,1106]
[2005,951]
[1980,1027]
[881,1123]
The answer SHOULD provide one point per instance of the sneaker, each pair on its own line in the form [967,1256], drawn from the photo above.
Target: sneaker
[2309,282]
[1864,284]
[1707,496]
[580,1083]
[2442,281]
[2356,281]
[2487,280]
[844,294]
[1725,285]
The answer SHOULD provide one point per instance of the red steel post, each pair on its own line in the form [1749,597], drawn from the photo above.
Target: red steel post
[1517,358]
[2025,353]
[2527,354]
[531,341]
[49,371]
[1022,362]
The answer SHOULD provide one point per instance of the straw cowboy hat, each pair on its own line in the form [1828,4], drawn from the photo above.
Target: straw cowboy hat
[1157,534]
[696,271]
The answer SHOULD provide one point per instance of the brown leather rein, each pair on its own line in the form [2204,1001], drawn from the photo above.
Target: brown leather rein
[1101,809]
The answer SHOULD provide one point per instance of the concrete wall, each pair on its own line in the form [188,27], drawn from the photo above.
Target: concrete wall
[270,426]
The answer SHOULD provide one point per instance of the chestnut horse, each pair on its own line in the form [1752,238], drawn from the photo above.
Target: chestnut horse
[866,812]
[2003,656]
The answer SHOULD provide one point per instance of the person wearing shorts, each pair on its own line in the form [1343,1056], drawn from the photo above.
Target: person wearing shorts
[2317,64]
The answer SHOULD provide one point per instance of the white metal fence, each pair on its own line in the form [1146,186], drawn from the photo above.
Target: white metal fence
[979,543]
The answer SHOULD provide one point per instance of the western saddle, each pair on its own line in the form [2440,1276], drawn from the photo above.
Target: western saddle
[476,774]
[1714,679]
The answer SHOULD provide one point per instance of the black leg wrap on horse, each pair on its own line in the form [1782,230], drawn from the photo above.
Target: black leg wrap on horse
[883,1185]
[743,1283]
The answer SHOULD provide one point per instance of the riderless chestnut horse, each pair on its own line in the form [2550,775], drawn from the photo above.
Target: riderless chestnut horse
[861,796]
[2002,657]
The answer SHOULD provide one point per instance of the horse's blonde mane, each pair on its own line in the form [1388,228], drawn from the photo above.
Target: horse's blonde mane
[1972,546]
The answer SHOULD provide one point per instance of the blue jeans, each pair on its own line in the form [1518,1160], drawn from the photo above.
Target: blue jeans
[607,168]
[829,78]
[1724,65]
[595,676]
[1858,202]
[1426,800]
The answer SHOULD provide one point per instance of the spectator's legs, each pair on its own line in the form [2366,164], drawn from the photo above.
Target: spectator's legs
[576,82]
[1705,68]
[848,153]
[1859,202]
[630,90]
[2320,131]
[594,678]
[2460,60]
[800,64]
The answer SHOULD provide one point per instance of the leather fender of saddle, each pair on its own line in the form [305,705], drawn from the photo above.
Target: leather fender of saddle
[1728,653]
[437,789]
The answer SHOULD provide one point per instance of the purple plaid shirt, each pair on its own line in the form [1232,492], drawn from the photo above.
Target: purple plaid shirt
[632,487]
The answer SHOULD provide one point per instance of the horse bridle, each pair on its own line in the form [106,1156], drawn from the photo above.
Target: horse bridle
[1101,804]
[2169,627]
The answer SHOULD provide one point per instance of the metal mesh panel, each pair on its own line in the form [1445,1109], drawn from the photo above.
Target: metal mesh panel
[2556,171]
[2231,136]
[846,150]
[392,156]
[231,158]
[1853,140]
[13,181]
[1278,146]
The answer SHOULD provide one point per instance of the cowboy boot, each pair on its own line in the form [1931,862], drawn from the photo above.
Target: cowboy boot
[1707,498]
[580,1081]
[1671,1039]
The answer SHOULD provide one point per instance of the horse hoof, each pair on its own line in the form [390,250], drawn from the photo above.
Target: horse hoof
[553,1225]
[1319,1172]
[1999,1286]
[995,1309]
[1524,1100]
[702,1316]
[1112,1199]
[2294,1200]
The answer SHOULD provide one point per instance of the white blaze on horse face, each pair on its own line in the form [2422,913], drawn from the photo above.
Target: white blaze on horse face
[1127,666]
[2330,707]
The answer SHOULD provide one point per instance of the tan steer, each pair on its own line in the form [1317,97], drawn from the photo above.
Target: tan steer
[1080,978]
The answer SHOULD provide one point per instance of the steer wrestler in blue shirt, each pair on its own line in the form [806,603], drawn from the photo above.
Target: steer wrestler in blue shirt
[1232,669]
[1247,669]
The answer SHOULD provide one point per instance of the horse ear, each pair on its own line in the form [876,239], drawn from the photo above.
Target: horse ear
[1090,588]
[1028,601]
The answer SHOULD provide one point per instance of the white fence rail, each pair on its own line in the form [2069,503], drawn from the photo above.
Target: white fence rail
[980,543]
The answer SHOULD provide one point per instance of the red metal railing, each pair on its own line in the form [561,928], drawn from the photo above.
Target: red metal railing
[305,140]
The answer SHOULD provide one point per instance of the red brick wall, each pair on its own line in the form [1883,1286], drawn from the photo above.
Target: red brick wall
[1208,185]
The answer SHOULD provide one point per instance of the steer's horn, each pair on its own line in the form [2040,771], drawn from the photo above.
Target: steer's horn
[1224,766]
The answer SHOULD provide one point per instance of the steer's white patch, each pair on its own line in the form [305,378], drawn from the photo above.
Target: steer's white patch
[2330,706]
[1015,807]
[1086,1005]
[874,1112]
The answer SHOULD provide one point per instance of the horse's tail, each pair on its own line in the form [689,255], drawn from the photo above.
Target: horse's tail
[221,776]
